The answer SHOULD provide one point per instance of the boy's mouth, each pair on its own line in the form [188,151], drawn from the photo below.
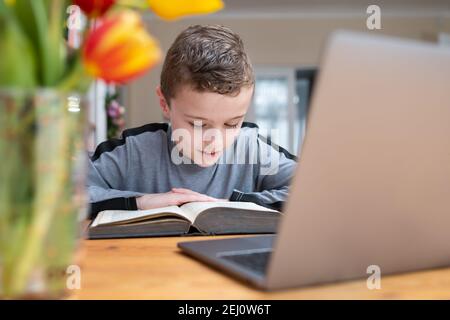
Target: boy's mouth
[209,153]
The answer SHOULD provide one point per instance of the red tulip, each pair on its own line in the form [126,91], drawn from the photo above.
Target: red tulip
[120,48]
[94,8]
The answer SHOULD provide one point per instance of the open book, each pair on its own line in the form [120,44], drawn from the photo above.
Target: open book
[191,218]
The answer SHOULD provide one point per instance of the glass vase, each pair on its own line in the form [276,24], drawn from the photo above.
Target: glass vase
[42,196]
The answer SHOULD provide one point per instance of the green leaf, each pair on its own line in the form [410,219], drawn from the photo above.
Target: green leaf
[17,65]
[57,45]
[42,22]
[3,8]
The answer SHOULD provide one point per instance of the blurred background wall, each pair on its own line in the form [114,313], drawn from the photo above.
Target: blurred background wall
[286,36]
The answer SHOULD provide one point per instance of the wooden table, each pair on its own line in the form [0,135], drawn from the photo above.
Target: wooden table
[154,268]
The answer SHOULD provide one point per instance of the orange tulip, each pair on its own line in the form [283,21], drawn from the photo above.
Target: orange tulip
[173,9]
[120,48]
[94,8]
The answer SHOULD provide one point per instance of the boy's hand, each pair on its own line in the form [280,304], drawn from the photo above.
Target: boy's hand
[175,197]
[188,191]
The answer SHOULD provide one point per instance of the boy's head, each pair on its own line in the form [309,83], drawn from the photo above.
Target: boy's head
[206,88]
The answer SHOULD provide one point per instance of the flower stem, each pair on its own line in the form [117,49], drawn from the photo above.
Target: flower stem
[77,80]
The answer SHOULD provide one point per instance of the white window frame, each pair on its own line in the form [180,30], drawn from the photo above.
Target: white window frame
[292,110]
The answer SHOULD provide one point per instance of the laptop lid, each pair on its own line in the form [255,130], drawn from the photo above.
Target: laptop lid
[372,187]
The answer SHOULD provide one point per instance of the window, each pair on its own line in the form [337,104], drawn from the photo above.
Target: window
[280,104]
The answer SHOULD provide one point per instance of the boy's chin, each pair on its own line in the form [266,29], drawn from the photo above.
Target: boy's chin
[205,164]
[205,160]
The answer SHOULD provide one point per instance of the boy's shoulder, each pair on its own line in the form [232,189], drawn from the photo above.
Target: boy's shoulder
[250,125]
[149,134]
[252,134]
[157,130]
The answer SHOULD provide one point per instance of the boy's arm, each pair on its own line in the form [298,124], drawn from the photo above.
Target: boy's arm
[276,169]
[106,177]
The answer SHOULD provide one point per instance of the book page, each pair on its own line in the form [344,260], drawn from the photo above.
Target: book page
[116,216]
[194,208]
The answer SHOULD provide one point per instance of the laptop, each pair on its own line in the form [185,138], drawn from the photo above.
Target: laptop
[372,187]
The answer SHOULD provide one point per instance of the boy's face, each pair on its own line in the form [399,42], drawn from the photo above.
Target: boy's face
[208,122]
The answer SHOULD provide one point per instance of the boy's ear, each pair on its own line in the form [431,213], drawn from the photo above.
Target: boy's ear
[163,103]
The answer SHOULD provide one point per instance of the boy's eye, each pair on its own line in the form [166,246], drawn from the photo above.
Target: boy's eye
[196,125]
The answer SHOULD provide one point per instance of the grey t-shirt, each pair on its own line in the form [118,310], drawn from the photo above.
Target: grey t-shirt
[141,161]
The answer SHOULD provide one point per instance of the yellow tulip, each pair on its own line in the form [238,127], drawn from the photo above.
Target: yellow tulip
[174,9]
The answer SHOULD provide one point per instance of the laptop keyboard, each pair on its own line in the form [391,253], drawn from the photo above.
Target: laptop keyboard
[256,260]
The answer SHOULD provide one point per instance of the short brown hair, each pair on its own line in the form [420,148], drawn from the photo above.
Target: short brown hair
[209,58]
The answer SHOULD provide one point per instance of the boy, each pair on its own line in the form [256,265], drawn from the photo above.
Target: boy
[206,88]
